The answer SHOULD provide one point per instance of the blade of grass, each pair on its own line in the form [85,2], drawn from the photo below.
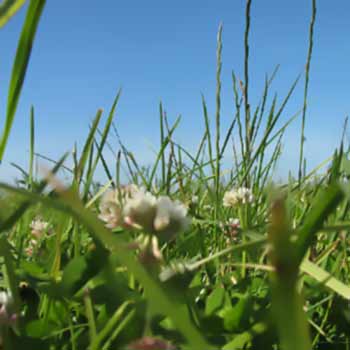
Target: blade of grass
[322,207]
[325,278]
[102,143]
[161,151]
[161,122]
[8,8]
[289,318]
[19,68]
[87,148]
[31,151]
[306,87]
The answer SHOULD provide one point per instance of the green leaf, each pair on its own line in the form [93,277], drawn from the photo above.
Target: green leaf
[215,301]
[80,270]
[39,328]
[236,316]
[244,340]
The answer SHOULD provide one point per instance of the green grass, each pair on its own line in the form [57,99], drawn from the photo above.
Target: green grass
[75,276]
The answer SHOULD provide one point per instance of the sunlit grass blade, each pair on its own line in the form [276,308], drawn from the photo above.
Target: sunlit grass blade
[325,278]
[20,67]
[8,8]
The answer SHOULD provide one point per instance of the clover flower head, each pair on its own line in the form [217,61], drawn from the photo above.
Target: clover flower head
[233,222]
[38,227]
[159,216]
[238,196]
[110,210]
[171,217]
[140,210]
[111,206]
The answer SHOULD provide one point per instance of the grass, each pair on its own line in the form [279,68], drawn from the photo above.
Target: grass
[94,266]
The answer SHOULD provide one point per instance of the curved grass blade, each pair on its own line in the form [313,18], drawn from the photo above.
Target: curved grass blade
[19,68]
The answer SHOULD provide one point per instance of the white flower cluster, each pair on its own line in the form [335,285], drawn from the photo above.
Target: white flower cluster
[38,229]
[238,196]
[111,206]
[140,209]
[234,222]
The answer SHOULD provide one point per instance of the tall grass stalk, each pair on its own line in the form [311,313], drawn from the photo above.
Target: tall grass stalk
[246,88]
[306,88]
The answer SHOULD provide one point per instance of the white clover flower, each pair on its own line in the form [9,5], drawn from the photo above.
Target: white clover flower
[159,216]
[110,210]
[238,196]
[111,206]
[38,227]
[140,210]
[171,217]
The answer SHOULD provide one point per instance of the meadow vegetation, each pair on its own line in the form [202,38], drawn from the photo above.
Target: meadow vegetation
[184,253]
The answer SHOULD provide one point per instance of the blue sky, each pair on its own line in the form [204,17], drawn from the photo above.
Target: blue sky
[161,50]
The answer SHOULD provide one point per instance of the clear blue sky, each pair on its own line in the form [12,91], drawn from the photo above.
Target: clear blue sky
[166,50]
